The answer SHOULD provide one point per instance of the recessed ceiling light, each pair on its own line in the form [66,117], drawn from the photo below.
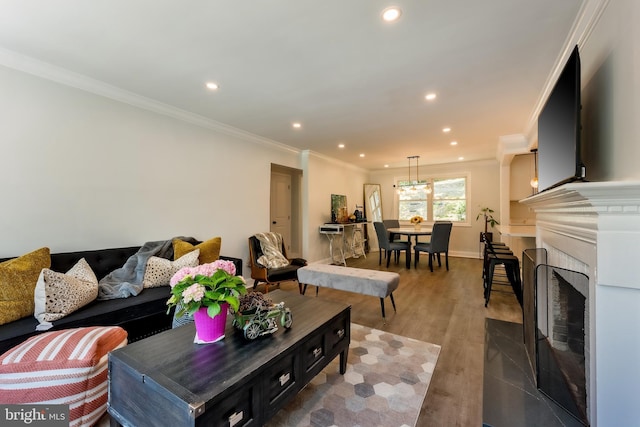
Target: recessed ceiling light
[212,85]
[386,166]
[340,145]
[296,125]
[446,130]
[454,142]
[391,14]
[361,154]
[430,96]
[460,158]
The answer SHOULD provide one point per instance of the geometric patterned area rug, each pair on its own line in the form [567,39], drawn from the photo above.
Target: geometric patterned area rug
[386,381]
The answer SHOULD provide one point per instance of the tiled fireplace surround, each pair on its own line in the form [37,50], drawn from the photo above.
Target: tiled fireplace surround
[594,228]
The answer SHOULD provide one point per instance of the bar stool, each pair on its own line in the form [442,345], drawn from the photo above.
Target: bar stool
[501,248]
[511,265]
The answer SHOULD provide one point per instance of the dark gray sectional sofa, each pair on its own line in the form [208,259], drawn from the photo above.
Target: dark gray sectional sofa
[141,316]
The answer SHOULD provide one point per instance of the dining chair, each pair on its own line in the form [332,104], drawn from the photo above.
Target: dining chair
[391,223]
[389,247]
[438,244]
[393,237]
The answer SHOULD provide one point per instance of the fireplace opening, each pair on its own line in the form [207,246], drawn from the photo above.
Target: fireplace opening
[556,330]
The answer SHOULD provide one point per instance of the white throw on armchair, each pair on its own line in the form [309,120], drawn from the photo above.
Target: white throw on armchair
[261,253]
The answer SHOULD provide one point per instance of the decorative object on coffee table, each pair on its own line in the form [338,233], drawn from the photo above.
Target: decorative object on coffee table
[257,315]
[214,287]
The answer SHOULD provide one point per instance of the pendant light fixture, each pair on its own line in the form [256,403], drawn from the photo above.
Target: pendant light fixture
[415,184]
[427,186]
[413,187]
[534,180]
[401,188]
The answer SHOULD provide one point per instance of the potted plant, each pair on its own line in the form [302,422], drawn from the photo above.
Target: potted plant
[206,292]
[489,220]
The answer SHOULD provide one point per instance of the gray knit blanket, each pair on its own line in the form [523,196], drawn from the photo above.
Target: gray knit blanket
[126,281]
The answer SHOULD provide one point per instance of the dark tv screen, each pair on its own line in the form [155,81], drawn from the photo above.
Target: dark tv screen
[559,158]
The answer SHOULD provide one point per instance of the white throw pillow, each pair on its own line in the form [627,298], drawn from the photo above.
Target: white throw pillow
[60,294]
[159,271]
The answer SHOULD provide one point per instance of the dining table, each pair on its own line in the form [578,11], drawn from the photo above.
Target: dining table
[424,230]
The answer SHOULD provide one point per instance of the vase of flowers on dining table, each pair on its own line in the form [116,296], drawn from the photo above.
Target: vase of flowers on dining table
[416,220]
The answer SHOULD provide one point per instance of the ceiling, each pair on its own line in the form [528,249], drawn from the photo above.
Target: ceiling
[332,65]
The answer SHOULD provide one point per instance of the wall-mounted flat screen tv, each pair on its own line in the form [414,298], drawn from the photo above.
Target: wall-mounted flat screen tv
[559,159]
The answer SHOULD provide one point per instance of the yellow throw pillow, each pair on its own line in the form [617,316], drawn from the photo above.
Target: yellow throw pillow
[209,250]
[18,278]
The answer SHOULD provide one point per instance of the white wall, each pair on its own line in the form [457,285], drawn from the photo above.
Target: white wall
[484,190]
[81,171]
[324,177]
[610,59]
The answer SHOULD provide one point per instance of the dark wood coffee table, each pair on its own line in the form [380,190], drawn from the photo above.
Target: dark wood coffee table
[168,380]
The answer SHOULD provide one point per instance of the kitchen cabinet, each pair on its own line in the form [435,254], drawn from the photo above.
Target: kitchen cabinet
[522,170]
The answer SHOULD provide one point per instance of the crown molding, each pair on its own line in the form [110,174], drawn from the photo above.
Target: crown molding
[309,154]
[26,64]
[509,146]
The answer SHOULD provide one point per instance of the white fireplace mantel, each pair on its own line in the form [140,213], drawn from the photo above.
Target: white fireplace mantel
[604,214]
[598,225]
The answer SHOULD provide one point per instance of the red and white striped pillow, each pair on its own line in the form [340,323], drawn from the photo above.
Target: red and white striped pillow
[62,367]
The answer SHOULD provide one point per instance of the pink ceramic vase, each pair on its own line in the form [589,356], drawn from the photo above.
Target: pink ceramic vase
[210,329]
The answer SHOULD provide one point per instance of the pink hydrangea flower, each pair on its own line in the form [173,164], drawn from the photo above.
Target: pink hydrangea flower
[194,292]
[227,266]
[203,270]
[181,274]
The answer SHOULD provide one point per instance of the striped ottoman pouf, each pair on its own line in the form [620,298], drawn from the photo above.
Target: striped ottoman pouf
[62,367]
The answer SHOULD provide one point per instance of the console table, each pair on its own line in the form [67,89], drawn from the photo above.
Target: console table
[166,379]
[354,241]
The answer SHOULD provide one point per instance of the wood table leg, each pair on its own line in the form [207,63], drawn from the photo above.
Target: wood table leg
[343,361]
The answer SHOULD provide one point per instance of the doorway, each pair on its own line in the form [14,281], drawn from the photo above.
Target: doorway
[285,207]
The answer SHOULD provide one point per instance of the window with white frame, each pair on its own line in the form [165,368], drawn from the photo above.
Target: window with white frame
[412,199]
[450,199]
[438,199]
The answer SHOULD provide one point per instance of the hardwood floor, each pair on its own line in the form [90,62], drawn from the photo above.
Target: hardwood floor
[445,308]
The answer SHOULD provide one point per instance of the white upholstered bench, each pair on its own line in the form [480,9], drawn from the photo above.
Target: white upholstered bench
[359,280]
